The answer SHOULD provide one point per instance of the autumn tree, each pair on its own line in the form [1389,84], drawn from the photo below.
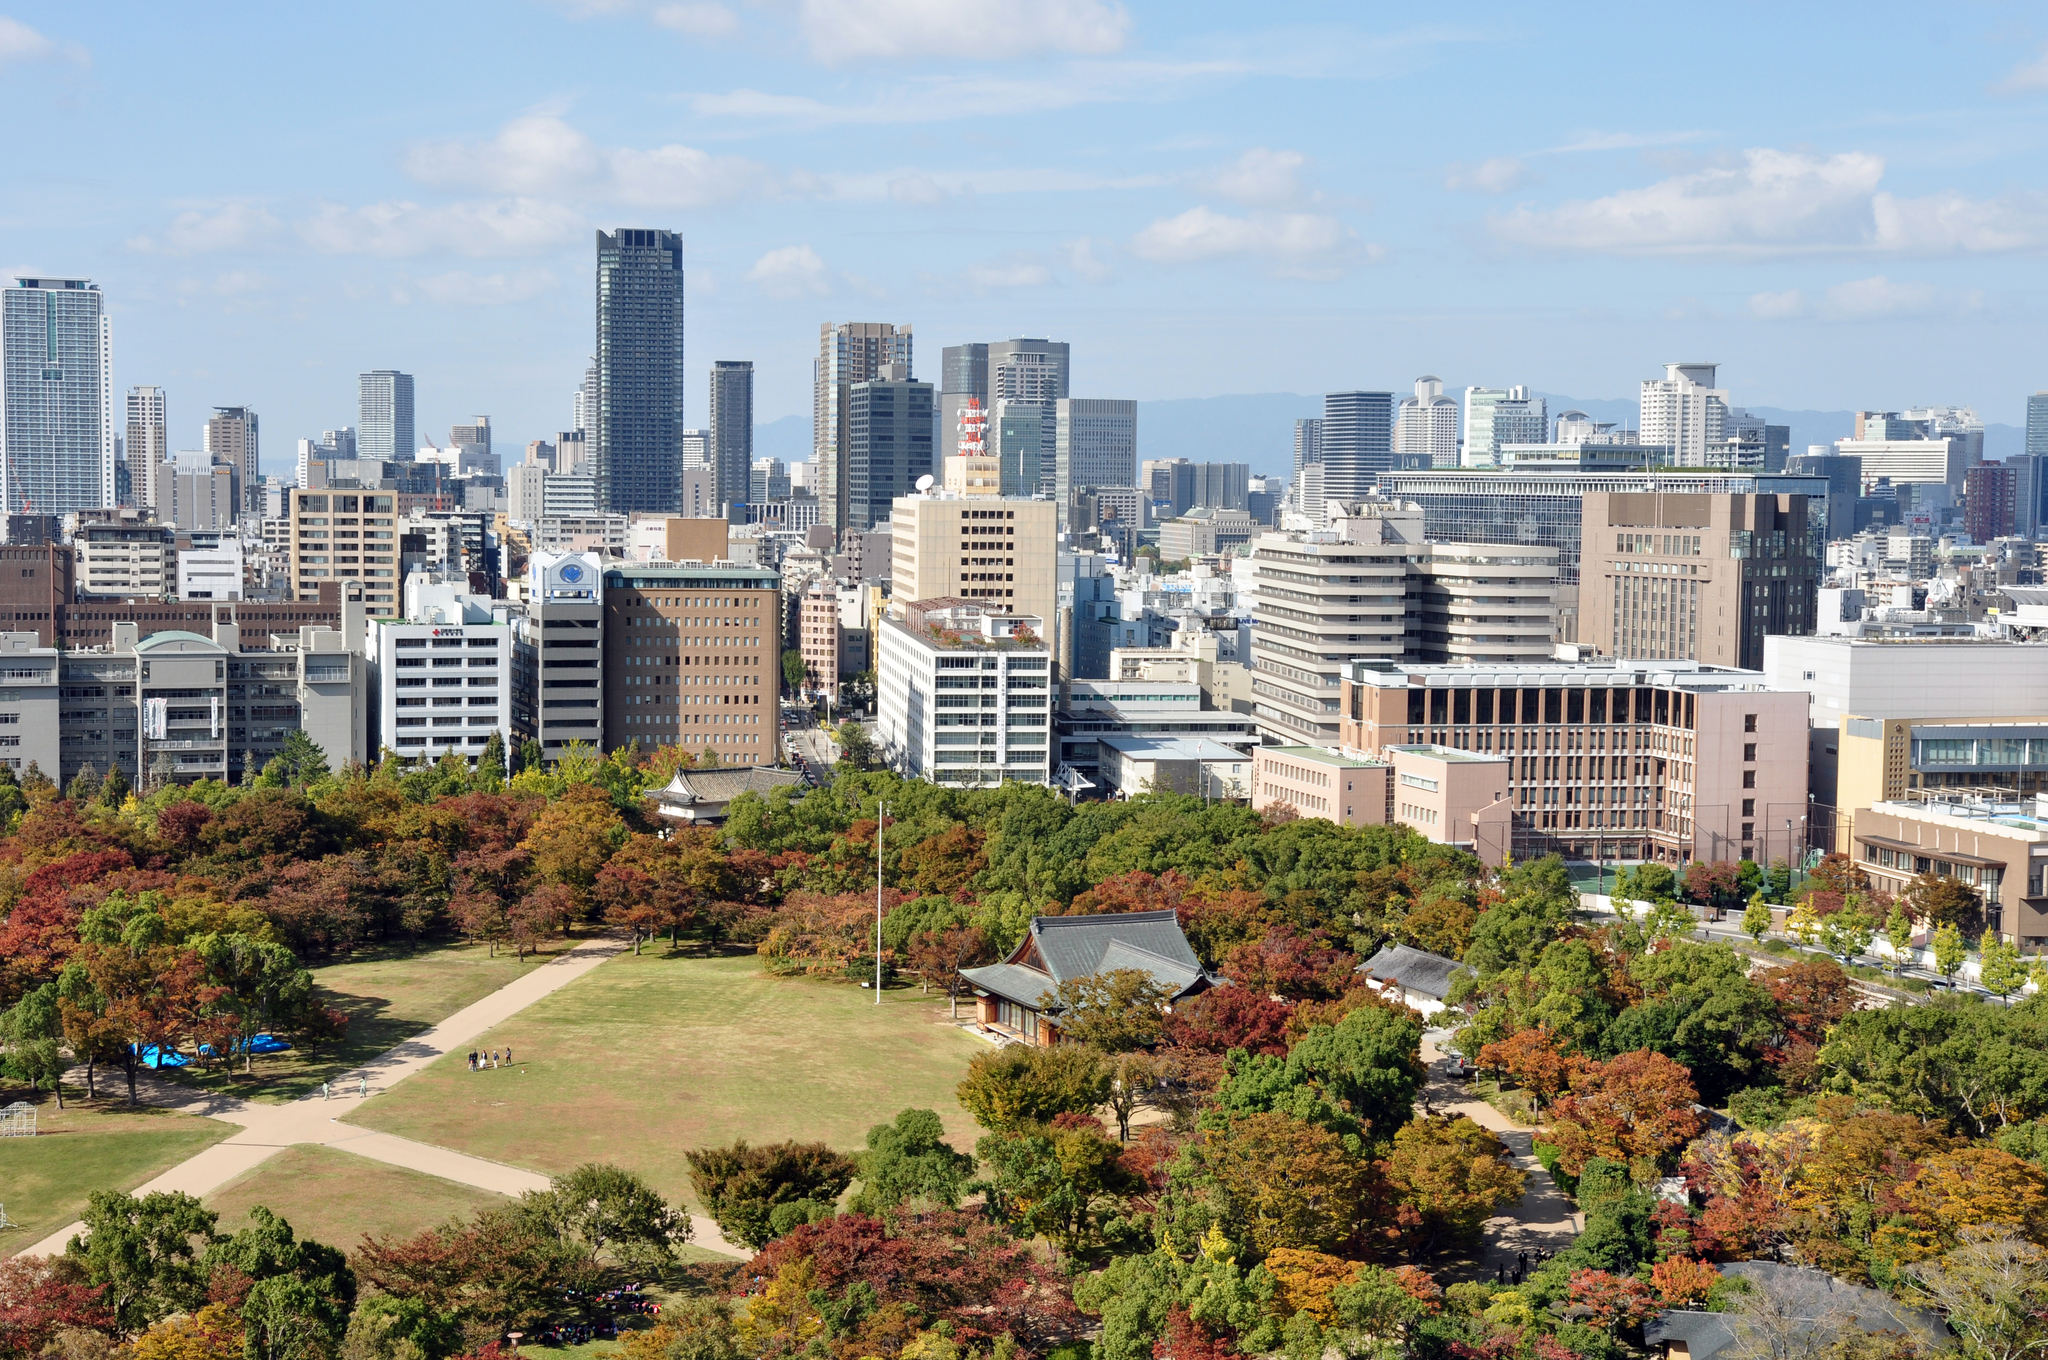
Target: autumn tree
[1285,1183]
[39,1299]
[1532,1057]
[1635,1109]
[1992,1291]
[1021,1084]
[1938,900]
[1061,1181]
[1224,1018]
[1117,1011]
[1453,1175]
[573,838]
[742,1186]
[941,956]
[1285,963]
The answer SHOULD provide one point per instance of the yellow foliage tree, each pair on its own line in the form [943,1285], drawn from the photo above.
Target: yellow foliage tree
[1308,1278]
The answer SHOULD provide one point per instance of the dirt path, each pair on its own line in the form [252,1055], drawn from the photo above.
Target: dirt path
[1544,1220]
[269,1129]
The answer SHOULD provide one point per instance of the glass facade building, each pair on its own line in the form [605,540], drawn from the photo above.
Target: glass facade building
[56,398]
[637,456]
[384,422]
[1357,442]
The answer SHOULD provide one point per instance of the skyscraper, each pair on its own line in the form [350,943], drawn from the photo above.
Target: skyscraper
[1495,416]
[1684,412]
[1358,442]
[963,373]
[586,400]
[56,398]
[1426,427]
[1095,444]
[1035,370]
[888,443]
[637,451]
[384,427]
[1017,435]
[230,436]
[149,439]
[849,352]
[2037,423]
[1308,444]
[732,429]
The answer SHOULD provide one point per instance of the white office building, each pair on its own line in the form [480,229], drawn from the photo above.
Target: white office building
[442,674]
[1495,416]
[210,568]
[965,693]
[1426,424]
[56,398]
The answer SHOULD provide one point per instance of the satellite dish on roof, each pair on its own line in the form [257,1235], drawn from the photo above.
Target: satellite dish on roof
[924,483]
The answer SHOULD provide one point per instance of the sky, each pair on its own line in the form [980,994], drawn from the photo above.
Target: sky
[1846,207]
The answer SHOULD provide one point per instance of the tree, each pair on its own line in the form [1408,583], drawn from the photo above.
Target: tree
[37,1301]
[299,761]
[1134,1078]
[1993,1293]
[1614,1301]
[1847,933]
[1117,1011]
[1024,1084]
[29,1033]
[1635,1109]
[908,1164]
[531,756]
[1285,1183]
[145,1253]
[500,1271]
[1680,1280]
[1369,1062]
[1298,967]
[85,785]
[1224,1018]
[741,1186]
[856,748]
[610,1212]
[261,984]
[1950,953]
[1756,919]
[1898,933]
[940,956]
[1062,1182]
[1453,1175]
[574,836]
[1538,1065]
[490,766]
[1940,900]
[793,669]
[1999,966]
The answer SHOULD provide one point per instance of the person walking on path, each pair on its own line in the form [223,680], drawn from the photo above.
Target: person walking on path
[323,1091]
[362,1086]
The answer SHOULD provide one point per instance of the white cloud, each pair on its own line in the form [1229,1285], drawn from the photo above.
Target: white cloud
[1010,274]
[19,42]
[1082,259]
[791,272]
[239,225]
[1872,299]
[1261,177]
[919,189]
[1306,244]
[540,154]
[1779,306]
[1499,175]
[515,226]
[2028,75]
[460,289]
[844,31]
[1777,203]
[699,21]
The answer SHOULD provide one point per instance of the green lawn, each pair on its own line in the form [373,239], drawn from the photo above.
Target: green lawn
[336,1197]
[647,1057]
[388,996]
[99,1145]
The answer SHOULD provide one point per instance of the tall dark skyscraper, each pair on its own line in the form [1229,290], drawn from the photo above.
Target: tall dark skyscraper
[1357,441]
[637,447]
[888,443]
[732,429]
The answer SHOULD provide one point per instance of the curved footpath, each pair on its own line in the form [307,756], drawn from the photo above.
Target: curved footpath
[268,1129]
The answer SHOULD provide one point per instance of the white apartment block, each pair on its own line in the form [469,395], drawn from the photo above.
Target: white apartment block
[581,533]
[560,658]
[1684,412]
[1487,604]
[442,674]
[1427,424]
[211,570]
[129,559]
[965,693]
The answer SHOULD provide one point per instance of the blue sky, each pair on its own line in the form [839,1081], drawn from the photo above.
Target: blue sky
[1844,206]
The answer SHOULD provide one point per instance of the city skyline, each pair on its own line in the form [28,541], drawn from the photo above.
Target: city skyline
[1845,243]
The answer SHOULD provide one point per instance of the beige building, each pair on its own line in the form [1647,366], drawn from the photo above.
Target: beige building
[1226,685]
[671,538]
[1993,844]
[131,558]
[1191,765]
[994,551]
[1666,761]
[1454,798]
[1692,576]
[1319,783]
[1486,604]
[819,637]
[691,659]
[345,538]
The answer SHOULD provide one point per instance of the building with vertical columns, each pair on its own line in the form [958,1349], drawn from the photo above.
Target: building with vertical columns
[1483,604]
[384,416]
[888,444]
[1037,372]
[1095,445]
[819,636]
[730,438]
[230,438]
[965,693]
[149,440]
[637,444]
[1697,577]
[849,352]
[1001,553]
[693,657]
[56,398]
[1357,442]
[1308,443]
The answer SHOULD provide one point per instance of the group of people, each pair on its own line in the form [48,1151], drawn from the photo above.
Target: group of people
[480,1061]
[613,1302]
[1503,1275]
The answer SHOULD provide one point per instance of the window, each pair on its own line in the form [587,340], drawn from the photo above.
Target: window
[1749,722]
[1749,751]
[1749,807]
[1749,779]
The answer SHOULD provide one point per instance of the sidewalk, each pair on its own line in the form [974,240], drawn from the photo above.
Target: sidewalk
[269,1129]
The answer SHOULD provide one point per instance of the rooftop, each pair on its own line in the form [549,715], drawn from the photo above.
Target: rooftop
[1319,755]
[1600,674]
[1171,748]
[1450,755]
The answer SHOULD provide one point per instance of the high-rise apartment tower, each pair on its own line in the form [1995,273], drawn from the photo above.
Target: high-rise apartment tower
[56,398]
[384,425]
[149,439]
[637,450]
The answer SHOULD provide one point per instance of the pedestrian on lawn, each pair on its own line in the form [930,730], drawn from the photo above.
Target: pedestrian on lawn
[508,1055]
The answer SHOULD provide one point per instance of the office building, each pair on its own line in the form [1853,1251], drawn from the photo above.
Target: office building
[230,440]
[1927,462]
[148,444]
[1844,478]
[674,538]
[1695,577]
[210,567]
[1095,444]
[1990,501]
[29,713]
[693,658]
[820,637]
[1323,600]
[442,671]
[558,699]
[475,435]
[730,435]
[1667,761]
[1130,766]
[174,706]
[768,481]
[963,377]
[1017,434]
[888,444]
[965,693]
[1093,709]
[131,557]
[204,496]
[1992,841]
[2037,424]
[1316,782]
[1308,444]
[56,398]
[636,444]
[1684,412]
[1170,485]
[384,416]
[1484,604]
[1426,426]
[1036,371]
[849,352]
[1002,553]
[347,539]
[1498,416]
[1357,442]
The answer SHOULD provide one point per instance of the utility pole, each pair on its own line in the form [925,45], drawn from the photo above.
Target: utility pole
[881,820]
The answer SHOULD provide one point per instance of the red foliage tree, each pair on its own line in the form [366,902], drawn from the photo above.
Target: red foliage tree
[1616,1301]
[1187,1339]
[1295,966]
[1533,1059]
[1216,920]
[1635,1107]
[1134,891]
[1224,1018]
[180,824]
[36,1303]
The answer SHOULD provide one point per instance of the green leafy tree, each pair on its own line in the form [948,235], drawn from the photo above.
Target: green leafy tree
[298,762]
[1063,1184]
[793,669]
[1022,1084]
[85,785]
[1847,933]
[612,1213]
[909,1163]
[856,747]
[490,766]
[744,1186]
[29,1035]
[1756,919]
[2001,970]
[145,1253]
[531,757]
[285,1318]
[264,988]
[1898,933]
[1369,1063]
[1950,950]
[1117,1011]
[113,789]
[310,1285]
[1777,885]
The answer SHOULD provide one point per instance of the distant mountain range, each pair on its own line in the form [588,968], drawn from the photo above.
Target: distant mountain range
[1258,428]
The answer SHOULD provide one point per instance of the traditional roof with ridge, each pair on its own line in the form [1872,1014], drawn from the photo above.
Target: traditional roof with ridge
[1057,949]
[1413,969]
